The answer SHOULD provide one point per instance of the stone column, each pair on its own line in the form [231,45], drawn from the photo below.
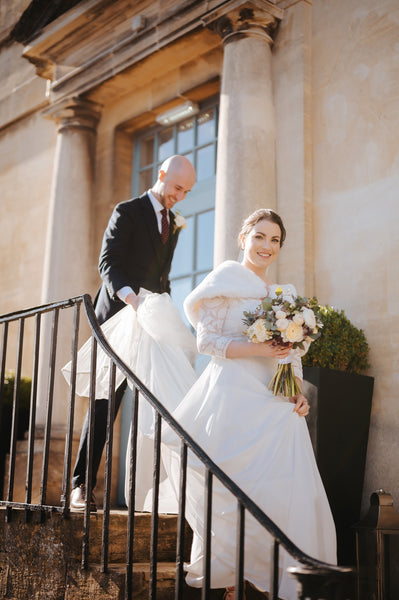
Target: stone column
[246,176]
[292,63]
[69,267]
[67,264]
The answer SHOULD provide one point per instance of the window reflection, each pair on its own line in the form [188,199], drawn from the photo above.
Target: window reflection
[205,162]
[180,290]
[198,278]
[206,126]
[185,136]
[195,138]
[204,250]
[147,151]
[190,156]
[166,144]
[183,256]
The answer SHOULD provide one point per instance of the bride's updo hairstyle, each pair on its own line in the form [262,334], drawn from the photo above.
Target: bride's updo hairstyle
[263,214]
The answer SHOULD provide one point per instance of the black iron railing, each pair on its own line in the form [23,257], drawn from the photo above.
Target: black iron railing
[316,579]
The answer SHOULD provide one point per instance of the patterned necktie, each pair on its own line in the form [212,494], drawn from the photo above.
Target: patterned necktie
[164,225]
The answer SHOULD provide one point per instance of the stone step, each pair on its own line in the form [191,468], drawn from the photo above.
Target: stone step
[93,584]
[167,531]
[166,580]
[43,561]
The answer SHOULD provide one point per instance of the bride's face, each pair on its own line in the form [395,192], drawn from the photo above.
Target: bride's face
[261,246]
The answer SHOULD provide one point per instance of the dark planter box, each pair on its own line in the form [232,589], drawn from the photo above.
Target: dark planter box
[339,426]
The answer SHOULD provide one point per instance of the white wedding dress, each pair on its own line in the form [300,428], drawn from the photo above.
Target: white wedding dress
[250,434]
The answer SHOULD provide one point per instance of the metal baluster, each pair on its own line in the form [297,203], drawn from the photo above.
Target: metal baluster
[208,522]
[71,413]
[155,502]
[32,413]
[181,523]
[132,497]
[14,425]
[89,458]
[3,354]
[274,571]
[2,376]
[108,467]
[239,589]
[50,396]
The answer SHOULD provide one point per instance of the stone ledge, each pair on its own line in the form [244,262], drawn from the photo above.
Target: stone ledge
[28,98]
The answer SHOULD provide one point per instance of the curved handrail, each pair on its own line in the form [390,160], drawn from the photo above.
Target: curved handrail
[245,500]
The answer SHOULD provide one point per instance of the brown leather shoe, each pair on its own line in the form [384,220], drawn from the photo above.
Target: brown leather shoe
[78,499]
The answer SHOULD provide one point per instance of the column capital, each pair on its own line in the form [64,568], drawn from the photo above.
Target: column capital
[245,18]
[75,113]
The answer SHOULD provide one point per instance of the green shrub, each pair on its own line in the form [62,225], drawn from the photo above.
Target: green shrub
[341,346]
[6,417]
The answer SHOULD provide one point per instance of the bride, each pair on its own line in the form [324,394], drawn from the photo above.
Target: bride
[259,440]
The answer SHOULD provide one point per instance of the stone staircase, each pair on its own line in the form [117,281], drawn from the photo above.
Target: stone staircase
[43,561]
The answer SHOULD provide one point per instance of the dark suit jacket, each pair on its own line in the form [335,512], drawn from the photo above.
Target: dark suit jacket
[133,254]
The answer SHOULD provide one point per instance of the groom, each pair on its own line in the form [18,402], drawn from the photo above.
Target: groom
[137,251]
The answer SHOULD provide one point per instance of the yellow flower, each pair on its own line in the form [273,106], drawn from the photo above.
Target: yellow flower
[278,291]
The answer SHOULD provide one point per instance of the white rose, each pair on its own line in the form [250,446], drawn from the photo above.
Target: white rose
[180,222]
[282,324]
[293,333]
[298,319]
[257,332]
[309,317]
[280,314]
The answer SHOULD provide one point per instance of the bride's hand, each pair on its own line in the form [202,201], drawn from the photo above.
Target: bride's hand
[301,405]
[271,349]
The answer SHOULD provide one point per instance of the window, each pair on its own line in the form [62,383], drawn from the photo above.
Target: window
[195,138]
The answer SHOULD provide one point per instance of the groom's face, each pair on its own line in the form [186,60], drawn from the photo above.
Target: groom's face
[174,187]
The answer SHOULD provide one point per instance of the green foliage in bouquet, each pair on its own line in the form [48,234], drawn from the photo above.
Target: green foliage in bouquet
[341,346]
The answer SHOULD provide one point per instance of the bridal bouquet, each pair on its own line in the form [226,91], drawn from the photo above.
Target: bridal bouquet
[295,321]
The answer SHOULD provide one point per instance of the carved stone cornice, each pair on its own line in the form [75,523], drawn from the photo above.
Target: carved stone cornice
[101,47]
[245,18]
[75,113]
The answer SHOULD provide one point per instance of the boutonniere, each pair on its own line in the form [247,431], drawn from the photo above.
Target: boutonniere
[180,222]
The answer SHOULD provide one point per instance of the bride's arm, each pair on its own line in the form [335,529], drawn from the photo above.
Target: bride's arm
[211,340]
[211,316]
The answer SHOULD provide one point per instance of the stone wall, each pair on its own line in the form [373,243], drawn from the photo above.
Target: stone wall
[355,79]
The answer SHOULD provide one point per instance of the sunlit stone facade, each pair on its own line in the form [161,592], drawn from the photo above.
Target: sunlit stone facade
[308,124]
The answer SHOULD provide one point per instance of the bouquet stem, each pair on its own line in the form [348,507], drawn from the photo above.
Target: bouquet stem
[284,382]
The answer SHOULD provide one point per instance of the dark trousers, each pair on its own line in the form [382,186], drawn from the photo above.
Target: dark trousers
[100,433]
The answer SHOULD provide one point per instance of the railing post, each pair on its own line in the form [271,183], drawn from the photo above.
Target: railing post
[108,467]
[71,413]
[132,495]
[32,415]
[323,584]
[3,353]
[49,411]
[14,424]
[181,523]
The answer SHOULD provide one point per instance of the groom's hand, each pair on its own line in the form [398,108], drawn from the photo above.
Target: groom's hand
[133,300]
